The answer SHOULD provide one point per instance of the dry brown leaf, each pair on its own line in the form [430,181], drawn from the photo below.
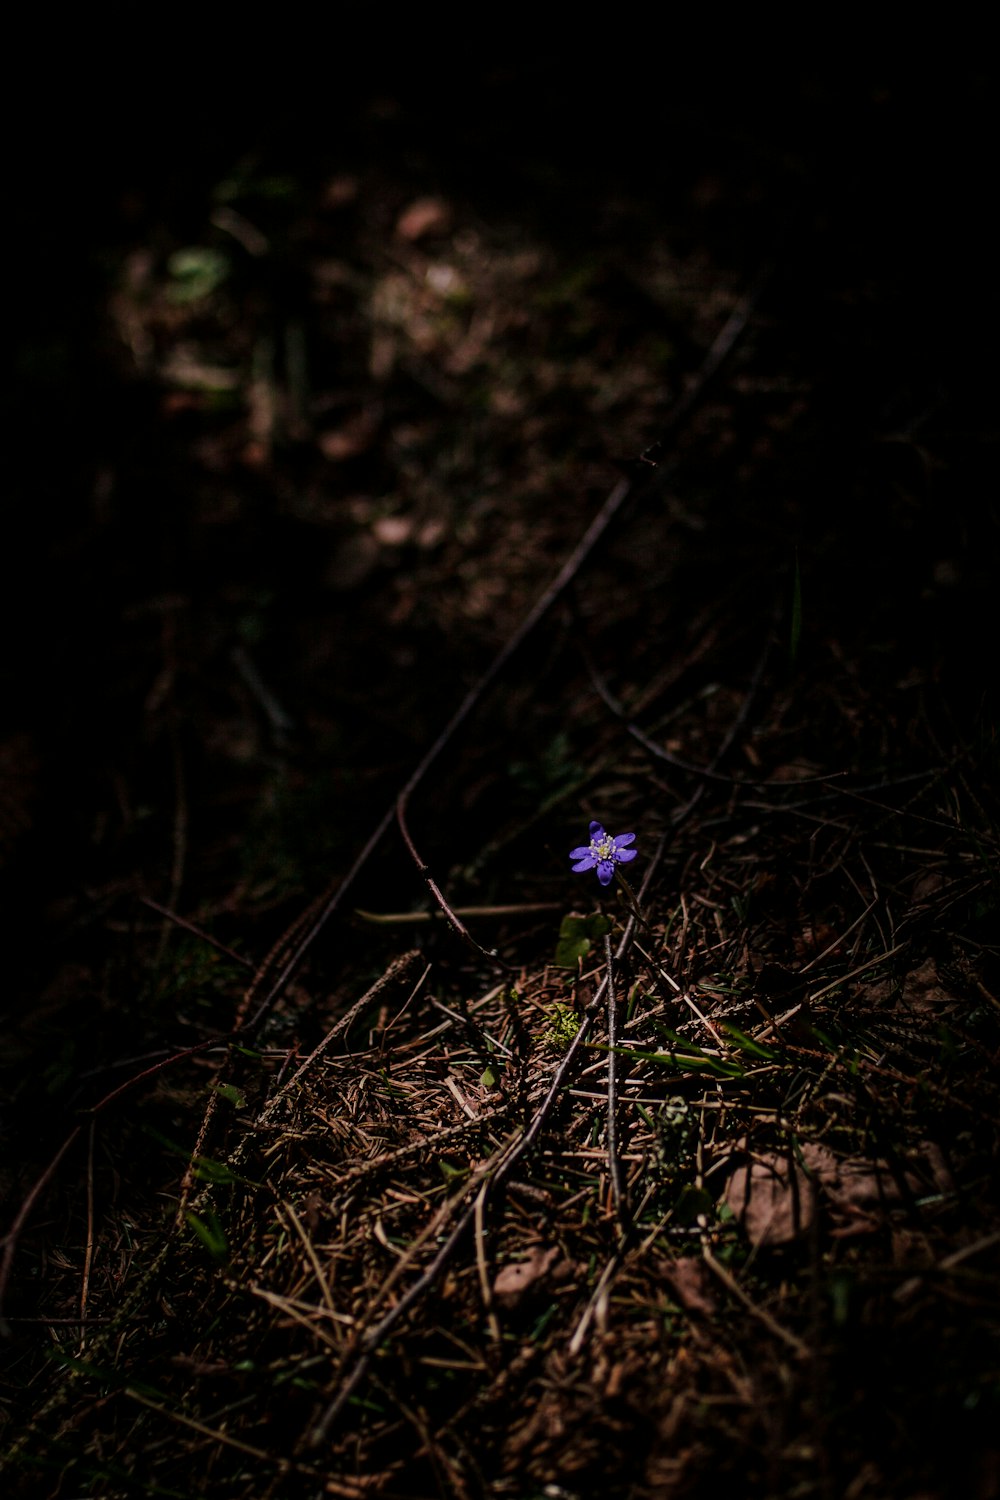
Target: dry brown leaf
[921,992]
[422,217]
[813,938]
[689,1280]
[927,884]
[776,1203]
[858,1190]
[773,1202]
[922,989]
[512,1281]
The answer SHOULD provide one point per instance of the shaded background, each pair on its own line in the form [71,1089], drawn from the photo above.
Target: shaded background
[273,507]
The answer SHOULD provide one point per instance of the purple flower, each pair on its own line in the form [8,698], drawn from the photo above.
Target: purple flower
[603,853]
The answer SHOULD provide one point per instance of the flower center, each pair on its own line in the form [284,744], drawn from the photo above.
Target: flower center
[605,849]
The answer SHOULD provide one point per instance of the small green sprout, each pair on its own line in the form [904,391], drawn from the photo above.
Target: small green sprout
[563,1026]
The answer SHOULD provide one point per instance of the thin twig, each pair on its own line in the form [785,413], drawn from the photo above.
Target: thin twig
[416,918]
[217,1435]
[729,1281]
[10,1239]
[374,1336]
[611,1269]
[484,1280]
[343,1024]
[448,911]
[198,932]
[835,984]
[706,773]
[837,942]
[614,1160]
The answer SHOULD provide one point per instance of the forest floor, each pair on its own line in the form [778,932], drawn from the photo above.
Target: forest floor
[354,1145]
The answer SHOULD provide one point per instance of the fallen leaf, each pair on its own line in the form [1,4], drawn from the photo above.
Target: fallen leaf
[424,216]
[858,1190]
[689,1281]
[927,884]
[773,1201]
[813,938]
[922,989]
[512,1281]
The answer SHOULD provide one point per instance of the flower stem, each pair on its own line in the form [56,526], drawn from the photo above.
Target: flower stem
[614,1160]
[632,901]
